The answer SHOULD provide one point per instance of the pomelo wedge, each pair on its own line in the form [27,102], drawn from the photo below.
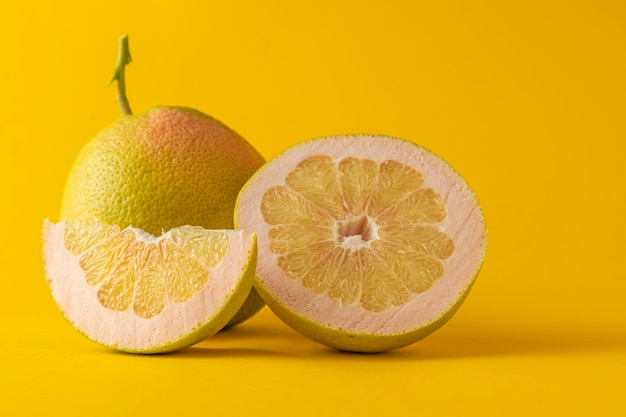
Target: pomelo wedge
[132,291]
[366,243]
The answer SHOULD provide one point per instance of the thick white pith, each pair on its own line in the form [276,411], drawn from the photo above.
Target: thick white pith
[464,223]
[124,329]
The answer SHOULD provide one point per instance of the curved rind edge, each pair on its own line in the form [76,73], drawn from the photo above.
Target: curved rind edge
[348,340]
[353,341]
[210,327]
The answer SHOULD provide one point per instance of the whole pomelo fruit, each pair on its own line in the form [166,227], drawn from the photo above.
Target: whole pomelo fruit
[164,168]
[167,167]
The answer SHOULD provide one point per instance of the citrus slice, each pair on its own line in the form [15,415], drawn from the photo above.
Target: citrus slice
[366,243]
[132,291]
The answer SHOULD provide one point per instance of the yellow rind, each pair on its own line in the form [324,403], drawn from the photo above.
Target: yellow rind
[354,341]
[253,304]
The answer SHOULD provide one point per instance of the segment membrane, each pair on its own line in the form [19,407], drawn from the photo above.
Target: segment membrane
[207,247]
[357,231]
[291,237]
[417,271]
[358,179]
[116,293]
[428,240]
[147,273]
[97,266]
[282,205]
[319,279]
[183,275]
[423,206]
[150,292]
[316,179]
[394,182]
[382,289]
[298,263]
[81,235]
[346,287]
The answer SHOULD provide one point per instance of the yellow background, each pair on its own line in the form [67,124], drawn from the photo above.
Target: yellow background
[526,99]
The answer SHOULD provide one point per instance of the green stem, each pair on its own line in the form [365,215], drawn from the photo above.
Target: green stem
[123,59]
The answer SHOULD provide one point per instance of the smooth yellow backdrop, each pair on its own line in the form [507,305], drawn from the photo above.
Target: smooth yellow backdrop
[526,99]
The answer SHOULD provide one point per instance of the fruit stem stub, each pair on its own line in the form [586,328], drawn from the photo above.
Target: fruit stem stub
[123,59]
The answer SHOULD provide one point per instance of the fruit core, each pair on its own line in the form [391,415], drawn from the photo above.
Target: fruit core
[358,231]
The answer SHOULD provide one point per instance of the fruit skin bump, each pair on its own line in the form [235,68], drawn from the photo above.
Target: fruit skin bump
[167,167]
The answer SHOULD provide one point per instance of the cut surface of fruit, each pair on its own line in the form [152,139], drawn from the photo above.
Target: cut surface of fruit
[132,291]
[366,242]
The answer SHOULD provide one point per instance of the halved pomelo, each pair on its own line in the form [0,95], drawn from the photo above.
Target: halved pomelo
[131,291]
[366,243]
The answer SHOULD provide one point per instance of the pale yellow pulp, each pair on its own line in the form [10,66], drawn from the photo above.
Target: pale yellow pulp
[358,231]
[133,269]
